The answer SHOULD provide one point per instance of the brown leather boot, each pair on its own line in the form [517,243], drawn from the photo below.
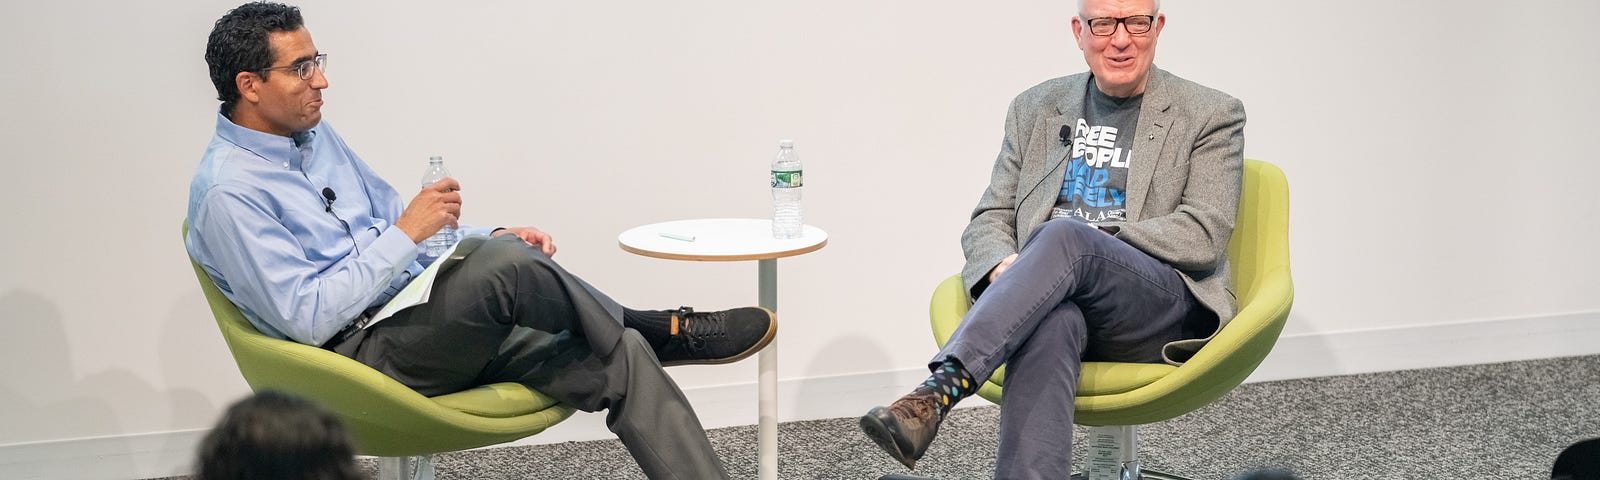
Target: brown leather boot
[905,427]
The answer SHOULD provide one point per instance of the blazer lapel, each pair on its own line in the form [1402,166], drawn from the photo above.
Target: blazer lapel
[1035,175]
[1039,192]
[1155,120]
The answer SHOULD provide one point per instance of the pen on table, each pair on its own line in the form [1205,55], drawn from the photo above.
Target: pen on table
[677,236]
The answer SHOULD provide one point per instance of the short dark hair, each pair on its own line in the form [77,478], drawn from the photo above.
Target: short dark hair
[273,435]
[239,43]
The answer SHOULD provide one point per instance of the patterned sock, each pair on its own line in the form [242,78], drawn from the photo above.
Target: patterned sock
[950,382]
[655,325]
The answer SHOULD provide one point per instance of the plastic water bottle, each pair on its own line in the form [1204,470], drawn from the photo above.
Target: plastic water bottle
[437,244]
[786,184]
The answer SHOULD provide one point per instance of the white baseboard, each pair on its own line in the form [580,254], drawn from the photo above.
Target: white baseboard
[1430,346]
[162,454]
[144,455]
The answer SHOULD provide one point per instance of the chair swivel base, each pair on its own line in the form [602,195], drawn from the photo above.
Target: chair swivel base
[406,468]
[1144,475]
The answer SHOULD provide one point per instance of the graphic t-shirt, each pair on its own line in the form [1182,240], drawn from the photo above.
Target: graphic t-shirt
[1094,188]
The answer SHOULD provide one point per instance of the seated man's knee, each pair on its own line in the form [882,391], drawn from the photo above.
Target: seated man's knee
[506,247]
[634,343]
[510,251]
[639,356]
[504,258]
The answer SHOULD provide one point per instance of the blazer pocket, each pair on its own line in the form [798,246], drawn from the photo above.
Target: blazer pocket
[1166,176]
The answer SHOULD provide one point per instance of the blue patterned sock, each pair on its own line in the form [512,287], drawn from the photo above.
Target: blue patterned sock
[950,383]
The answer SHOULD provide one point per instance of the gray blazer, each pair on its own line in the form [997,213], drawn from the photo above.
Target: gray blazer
[1183,184]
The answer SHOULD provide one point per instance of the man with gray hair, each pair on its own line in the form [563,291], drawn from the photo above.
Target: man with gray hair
[1102,236]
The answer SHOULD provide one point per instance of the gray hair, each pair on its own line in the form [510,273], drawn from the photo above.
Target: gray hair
[1158,5]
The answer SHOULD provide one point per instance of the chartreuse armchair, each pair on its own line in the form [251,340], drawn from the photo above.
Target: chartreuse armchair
[1114,398]
[386,418]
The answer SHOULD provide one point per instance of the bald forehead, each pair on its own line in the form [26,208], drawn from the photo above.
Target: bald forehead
[1149,5]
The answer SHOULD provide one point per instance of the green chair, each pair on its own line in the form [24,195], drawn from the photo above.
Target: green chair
[1115,397]
[386,418]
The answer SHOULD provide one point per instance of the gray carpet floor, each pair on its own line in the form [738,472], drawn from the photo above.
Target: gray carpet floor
[1498,421]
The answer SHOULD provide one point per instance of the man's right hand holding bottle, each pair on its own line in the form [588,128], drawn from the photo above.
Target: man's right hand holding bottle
[435,207]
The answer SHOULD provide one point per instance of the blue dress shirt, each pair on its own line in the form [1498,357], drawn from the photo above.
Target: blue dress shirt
[298,266]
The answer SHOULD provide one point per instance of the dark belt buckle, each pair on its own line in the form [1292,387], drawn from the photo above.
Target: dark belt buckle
[349,331]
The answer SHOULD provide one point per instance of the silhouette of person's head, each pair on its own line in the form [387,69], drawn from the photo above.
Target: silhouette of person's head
[273,435]
[1581,461]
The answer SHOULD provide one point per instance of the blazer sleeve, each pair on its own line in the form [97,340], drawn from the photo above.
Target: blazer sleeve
[1194,237]
[991,235]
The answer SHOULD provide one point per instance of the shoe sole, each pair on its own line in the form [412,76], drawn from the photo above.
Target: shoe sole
[879,433]
[772,332]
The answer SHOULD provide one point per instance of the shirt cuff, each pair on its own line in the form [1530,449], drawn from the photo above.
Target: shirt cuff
[395,248]
[470,231]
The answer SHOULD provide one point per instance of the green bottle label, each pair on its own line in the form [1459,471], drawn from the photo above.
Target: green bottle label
[786,179]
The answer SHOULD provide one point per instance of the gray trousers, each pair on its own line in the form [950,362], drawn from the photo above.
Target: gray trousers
[1074,293]
[508,313]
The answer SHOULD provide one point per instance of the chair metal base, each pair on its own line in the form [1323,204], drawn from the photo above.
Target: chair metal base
[1147,475]
[1144,475]
[406,468]
[1113,455]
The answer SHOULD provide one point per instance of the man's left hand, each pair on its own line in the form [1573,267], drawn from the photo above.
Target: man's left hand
[533,236]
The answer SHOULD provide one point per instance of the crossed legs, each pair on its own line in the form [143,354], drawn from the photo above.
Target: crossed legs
[1073,293]
[510,313]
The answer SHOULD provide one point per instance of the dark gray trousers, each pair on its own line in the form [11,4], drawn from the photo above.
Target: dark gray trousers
[508,313]
[1074,293]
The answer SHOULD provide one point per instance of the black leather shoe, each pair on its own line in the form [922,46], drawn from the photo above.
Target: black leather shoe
[905,427]
[717,337]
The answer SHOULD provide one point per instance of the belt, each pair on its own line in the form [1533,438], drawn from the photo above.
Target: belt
[348,331]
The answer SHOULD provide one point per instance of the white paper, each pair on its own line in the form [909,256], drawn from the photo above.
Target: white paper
[415,293]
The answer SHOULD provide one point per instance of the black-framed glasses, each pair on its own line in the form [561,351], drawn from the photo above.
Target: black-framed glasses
[1107,26]
[305,68]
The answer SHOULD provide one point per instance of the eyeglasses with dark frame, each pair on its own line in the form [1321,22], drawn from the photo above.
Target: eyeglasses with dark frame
[304,68]
[1107,26]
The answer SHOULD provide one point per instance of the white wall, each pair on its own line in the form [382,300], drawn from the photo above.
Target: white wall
[1436,152]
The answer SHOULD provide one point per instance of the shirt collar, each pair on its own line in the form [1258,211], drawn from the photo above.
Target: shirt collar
[272,148]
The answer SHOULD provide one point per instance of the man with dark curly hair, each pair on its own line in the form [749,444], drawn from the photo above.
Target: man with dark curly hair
[301,234]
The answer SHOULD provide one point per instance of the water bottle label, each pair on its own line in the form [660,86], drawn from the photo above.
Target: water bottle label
[786,179]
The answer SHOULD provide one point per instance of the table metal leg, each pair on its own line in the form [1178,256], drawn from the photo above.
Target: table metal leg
[768,378]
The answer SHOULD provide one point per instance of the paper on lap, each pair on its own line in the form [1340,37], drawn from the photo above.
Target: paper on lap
[415,293]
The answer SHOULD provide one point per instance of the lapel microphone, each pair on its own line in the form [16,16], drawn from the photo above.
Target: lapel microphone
[1066,141]
[327,193]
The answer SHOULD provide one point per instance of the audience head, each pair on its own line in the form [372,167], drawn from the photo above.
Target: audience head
[1578,462]
[271,436]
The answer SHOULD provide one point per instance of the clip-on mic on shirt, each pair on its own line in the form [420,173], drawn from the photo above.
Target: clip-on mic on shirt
[329,197]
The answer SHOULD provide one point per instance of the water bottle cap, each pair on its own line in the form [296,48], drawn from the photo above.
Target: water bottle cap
[435,159]
[786,143]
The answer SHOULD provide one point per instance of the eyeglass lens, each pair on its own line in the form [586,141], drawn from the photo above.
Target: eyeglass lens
[319,63]
[1107,26]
